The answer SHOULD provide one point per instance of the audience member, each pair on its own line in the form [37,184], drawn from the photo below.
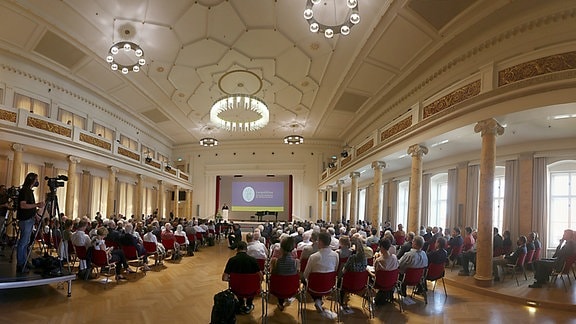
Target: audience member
[244,264]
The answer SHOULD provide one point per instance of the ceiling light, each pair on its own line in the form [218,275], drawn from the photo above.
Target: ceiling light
[293,139]
[125,64]
[208,141]
[240,110]
[352,19]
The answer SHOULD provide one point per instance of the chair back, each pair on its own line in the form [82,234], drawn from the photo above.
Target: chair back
[435,271]
[199,236]
[568,265]
[130,252]
[536,256]
[284,286]
[211,231]
[261,263]
[150,247]
[80,252]
[191,237]
[180,239]
[168,243]
[456,251]
[321,283]
[498,251]
[245,285]
[386,280]
[99,258]
[354,282]
[413,276]
[370,261]
[341,263]
[298,253]
[303,264]
[529,257]
[400,239]
[374,247]
[111,243]
[521,259]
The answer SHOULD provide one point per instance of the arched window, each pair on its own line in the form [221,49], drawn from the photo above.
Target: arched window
[403,196]
[562,200]
[362,204]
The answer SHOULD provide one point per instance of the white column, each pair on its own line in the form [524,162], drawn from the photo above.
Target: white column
[340,200]
[376,203]
[112,171]
[17,164]
[329,217]
[71,186]
[354,198]
[415,200]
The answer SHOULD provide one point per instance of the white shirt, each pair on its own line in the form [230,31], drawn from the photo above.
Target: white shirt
[80,238]
[325,260]
[257,250]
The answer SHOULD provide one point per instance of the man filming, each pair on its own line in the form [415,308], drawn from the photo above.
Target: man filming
[27,210]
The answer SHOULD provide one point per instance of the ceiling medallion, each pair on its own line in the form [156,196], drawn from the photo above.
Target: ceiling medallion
[352,19]
[125,57]
[239,110]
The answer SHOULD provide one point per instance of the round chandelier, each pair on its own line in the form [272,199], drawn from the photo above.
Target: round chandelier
[125,64]
[241,112]
[352,19]
[293,139]
[208,141]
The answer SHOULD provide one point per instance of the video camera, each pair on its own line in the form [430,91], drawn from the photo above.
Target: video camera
[56,182]
[13,193]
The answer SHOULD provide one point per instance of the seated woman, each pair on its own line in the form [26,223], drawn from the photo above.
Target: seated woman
[344,250]
[387,261]
[150,237]
[131,238]
[285,264]
[356,263]
[114,255]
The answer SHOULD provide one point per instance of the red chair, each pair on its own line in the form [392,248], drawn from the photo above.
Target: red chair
[246,285]
[519,264]
[322,284]
[565,271]
[388,281]
[100,260]
[152,249]
[341,263]
[192,240]
[284,287]
[400,239]
[529,257]
[200,238]
[131,254]
[261,264]
[435,272]
[370,261]
[374,247]
[299,253]
[456,251]
[181,240]
[303,264]
[169,245]
[536,256]
[80,252]
[414,277]
[357,283]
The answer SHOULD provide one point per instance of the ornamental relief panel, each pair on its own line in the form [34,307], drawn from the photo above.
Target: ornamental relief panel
[153,164]
[397,128]
[541,66]
[466,92]
[171,171]
[95,141]
[127,153]
[8,115]
[346,160]
[49,127]
[183,176]
[365,147]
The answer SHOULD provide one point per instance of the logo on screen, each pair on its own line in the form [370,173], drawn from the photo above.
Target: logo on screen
[248,194]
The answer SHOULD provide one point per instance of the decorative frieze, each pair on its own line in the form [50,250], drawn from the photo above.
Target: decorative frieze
[95,141]
[534,68]
[455,97]
[129,154]
[396,128]
[346,160]
[365,147]
[48,126]
[8,115]
[153,163]
[184,176]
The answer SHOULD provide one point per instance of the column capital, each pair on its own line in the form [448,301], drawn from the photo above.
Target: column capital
[489,126]
[48,164]
[462,165]
[378,165]
[16,147]
[321,190]
[113,169]
[160,182]
[329,187]
[417,150]
[140,177]
[74,159]
[354,175]
[340,182]
[85,171]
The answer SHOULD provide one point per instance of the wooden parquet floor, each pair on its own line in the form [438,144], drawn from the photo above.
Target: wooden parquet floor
[182,292]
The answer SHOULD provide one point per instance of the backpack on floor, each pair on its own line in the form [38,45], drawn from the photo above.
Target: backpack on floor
[224,309]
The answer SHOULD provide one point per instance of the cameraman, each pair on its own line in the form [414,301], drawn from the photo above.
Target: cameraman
[27,210]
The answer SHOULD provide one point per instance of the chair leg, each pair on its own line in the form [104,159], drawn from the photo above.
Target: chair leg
[444,284]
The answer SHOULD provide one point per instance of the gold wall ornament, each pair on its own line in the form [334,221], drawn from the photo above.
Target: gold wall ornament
[534,68]
[365,147]
[8,115]
[455,97]
[129,154]
[95,141]
[48,126]
[396,128]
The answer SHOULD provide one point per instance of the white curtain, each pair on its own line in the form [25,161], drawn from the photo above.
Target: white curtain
[540,200]
[511,217]
[472,191]
[451,201]
[425,205]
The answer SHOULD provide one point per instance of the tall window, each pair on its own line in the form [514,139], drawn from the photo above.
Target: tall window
[403,193]
[128,142]
[69,118]
[31,104]
[562,206]
[348,199]
[438,199]
[498,207]
[103,131]
[163,158]
[126,199]
[362,204]
[99,196]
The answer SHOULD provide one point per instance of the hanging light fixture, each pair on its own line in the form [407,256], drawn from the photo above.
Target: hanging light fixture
[133,58]
[352,19]
[293,139]
[240,110]
[208,141]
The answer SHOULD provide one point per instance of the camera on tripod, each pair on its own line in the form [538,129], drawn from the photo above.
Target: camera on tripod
[13,193]
[56,182]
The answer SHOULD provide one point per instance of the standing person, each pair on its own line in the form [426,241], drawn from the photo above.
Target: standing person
[225,210]
[27,209]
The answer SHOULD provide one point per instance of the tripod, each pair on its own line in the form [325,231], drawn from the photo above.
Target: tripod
[9,240]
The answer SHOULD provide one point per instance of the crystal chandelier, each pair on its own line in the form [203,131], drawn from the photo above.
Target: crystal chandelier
[352,19]
[293,139]
[208,141]
[129,63]
[239,110]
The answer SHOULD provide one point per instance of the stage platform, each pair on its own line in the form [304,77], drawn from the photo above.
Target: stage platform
[9,279]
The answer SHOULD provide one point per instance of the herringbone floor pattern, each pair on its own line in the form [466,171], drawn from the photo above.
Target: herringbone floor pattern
[182,292]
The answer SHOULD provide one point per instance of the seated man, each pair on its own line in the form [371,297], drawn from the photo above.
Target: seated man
[510,258]
[235,237]
[465,258]
[544,267]
[242,263]
[415,258]
[323,261]
[255,249]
